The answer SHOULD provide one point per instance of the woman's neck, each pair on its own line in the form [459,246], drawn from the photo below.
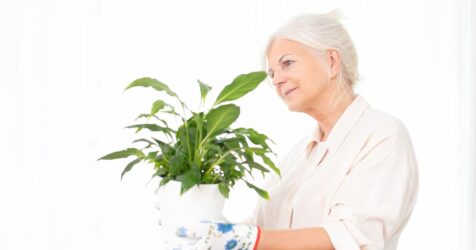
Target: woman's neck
[329,116]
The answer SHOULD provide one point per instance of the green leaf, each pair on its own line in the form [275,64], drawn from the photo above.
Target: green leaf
[247,154]
[221,117]
[271,164]
[190,179]
[258,190]
[200,132]
[152,127]
[209,178]
[152,156]
[212,153]
[230,143]
[261,153]
[149,143]
[240,86]
[224,189]
[149,82]
[164,181]
[228,167]
[129,166]
[257,166]
[142,116]
[242,139]
[148,116]
[165,148]
[160,172]
[178,163]
[157,106]
[268,161]
[256,150]
[204,89]
[172,111]
[189,124]
[187,141]
[123,154]
[255,137]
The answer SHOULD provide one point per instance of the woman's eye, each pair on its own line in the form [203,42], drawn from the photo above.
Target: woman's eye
[287,62]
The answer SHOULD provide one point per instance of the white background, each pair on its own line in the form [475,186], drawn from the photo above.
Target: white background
[64,64]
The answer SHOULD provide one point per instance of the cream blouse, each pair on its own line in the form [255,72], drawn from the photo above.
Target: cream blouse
[360,185]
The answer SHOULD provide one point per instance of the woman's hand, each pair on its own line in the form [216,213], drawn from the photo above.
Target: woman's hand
[221,235]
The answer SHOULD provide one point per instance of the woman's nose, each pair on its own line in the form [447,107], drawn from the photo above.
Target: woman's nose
[278,79]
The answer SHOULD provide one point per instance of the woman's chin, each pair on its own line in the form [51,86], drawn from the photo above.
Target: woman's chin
[292,107]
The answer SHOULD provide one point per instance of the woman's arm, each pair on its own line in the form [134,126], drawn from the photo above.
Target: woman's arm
[314,238]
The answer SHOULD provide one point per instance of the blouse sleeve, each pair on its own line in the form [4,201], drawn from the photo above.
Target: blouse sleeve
[376,197]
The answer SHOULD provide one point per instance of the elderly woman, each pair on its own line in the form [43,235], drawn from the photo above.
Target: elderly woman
[352,183]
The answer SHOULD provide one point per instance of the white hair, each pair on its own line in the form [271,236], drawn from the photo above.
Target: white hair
[321,32]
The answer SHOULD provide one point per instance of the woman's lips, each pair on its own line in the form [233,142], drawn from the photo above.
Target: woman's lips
[289,92]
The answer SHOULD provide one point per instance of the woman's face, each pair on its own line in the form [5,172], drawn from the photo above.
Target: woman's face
[298,77]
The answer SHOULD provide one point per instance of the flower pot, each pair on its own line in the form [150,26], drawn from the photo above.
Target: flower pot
[200,203]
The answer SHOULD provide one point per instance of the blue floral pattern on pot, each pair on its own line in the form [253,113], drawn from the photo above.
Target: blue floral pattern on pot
[224,227]
[220,235]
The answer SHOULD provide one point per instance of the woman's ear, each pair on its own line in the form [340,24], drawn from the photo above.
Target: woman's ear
[334,61]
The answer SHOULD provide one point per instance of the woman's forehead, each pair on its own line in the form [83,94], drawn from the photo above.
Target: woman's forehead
[282,47]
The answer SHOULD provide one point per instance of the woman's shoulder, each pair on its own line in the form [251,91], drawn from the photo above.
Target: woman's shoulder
[383,130]
[383,136]
[382,123]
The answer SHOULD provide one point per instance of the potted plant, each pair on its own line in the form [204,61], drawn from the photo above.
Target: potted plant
[203,158]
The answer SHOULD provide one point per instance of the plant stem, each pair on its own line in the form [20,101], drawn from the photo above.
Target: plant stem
[186,131]
[220,159]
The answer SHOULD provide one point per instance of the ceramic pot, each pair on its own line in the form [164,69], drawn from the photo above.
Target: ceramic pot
[200,203]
